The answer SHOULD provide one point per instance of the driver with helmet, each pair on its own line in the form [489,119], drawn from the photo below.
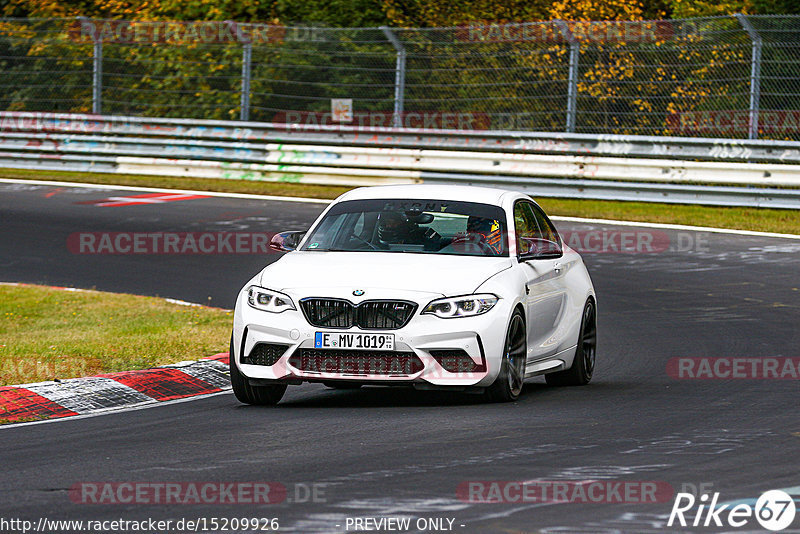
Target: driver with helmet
[401,228]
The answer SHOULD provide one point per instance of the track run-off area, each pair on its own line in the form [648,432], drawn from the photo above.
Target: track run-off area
[661,412]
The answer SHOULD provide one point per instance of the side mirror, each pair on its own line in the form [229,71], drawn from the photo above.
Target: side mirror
[534,248]
[286,241]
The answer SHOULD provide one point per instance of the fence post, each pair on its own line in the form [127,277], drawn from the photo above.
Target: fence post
[247,60]
[399,76]
[755,75]
[97,71]
[572,82]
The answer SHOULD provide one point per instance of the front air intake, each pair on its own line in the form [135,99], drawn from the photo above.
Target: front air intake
[265,354]
[355,362]
[457,361]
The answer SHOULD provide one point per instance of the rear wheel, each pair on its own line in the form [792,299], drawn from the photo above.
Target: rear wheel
[582,368]
[247,394]
[508,384]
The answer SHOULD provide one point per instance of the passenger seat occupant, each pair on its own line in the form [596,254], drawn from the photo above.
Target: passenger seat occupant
[486,231]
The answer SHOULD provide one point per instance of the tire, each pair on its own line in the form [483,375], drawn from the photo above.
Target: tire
[256,395]
[583,364]
[342,385]
[508,384]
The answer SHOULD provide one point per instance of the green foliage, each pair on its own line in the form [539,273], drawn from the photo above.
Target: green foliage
[708,8]
[406,13]
[239,10]
[427,13]
[337,13]
[776,7]
[352,13]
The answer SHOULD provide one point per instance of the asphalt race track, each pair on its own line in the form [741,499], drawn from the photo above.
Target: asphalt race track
[384,453]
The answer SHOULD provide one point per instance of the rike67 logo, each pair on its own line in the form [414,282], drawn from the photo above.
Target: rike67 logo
[774,510]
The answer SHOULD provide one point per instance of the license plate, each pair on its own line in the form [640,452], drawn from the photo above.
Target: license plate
[336,340]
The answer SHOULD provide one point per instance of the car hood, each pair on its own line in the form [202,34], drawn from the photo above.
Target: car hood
[339,272]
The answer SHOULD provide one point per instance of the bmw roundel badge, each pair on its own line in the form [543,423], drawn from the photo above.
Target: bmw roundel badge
[358,292]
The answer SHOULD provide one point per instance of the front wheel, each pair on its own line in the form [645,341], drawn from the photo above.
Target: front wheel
[508,384]
[256,395]
[582,368]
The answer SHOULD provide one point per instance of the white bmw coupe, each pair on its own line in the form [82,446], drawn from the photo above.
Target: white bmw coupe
[428,286]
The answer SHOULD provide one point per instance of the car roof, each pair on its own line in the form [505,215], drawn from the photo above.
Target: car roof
[465,193]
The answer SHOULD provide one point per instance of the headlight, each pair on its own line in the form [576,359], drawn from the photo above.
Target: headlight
[465,306]
[268,300]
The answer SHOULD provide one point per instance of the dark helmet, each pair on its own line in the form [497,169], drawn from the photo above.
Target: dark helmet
[485,231]
[393,227]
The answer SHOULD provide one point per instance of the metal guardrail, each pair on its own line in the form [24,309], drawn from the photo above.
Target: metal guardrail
[195,157]
[688,148]
[654,169]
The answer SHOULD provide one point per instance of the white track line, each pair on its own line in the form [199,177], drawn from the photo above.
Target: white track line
[677,227]
[183,303]
[323,201]
[160,190]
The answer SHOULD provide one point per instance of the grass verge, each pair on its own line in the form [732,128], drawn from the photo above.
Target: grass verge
[50,333]
[753,219]
[756,219]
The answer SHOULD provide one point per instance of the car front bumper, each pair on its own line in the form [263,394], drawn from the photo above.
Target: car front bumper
[482,338]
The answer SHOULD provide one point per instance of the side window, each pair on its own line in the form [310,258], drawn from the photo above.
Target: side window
[547,229]
[535,233]
[525,227]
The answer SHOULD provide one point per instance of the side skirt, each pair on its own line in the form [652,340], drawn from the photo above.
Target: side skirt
[556,362]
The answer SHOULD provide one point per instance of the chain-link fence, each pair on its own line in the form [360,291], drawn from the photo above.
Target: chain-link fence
[731,76]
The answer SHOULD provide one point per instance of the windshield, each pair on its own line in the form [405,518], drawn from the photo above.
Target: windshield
[412,225]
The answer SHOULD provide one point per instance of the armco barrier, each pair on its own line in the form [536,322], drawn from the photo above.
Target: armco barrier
[677,170]
[690,148]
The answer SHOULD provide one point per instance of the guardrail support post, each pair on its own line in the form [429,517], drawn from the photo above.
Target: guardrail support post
[755,75]
[97,73]
[399,76]
[247,60]
[572,82]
